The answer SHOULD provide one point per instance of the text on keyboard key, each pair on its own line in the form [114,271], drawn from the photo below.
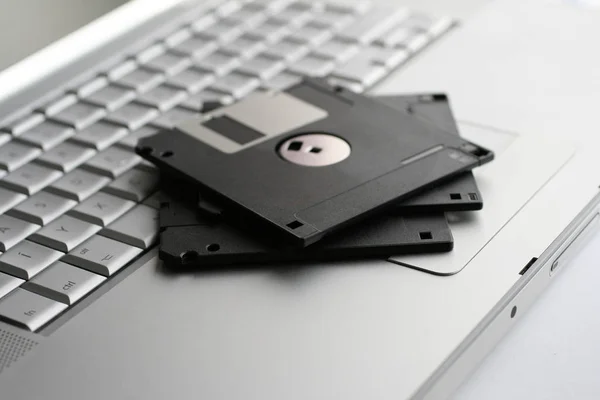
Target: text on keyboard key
[78,184]
[42,207]
[139,227]
[113,162]
[29,310]
[80,115]
[102,208]
[13,155]
[102,255]
[64,233]
[64,283]
[8,284]
[135,185]
[27,259]
[30,178]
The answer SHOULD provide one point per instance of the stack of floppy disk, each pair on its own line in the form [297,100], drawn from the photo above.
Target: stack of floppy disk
[312,173]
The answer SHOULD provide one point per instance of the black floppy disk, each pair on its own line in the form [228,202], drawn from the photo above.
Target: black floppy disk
[191,239]
[458,194]
[310,160]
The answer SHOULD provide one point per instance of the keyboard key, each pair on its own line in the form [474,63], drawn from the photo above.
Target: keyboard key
[42,207]
[168,63]
[27,259]
[59,104]
[141,80]
[91,86]
[139,227]
[4,138]
[64,233]
[8,284]
[111,97]
[337,50]
[47,134]
[427,24]
[134,185]
[196,47]
[192,80]
[282,81]
[247,17]
[218,63]
[389,58]
[292,16]
[131,140]
[102,255]
[133,116]
[173,117]
[13,230]
[269,31]
[100,135]
[361,70]
[121,70]
[24,123]
[312,66]
[102,208]
[288,50]
[222,31]
[28,309]
[78,184]
[331,19]
[66,156]
[9,199]
[204,22]
[150,52]
[227,7]
[311,35]
[64,283]
[268,5]
[13,155]
[207,100]
[373,24]
[356,7]
[236,85]
[80,115]
[113,162]
[244,47]
[262,67]
[163,97]
[178,36]
[30,178]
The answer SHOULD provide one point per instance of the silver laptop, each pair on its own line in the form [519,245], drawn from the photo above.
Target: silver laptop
[88,311]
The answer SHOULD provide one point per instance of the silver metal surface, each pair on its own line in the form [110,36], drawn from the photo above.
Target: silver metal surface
[133,116]
[163,97]
[64,233]
[100,135]
[64,283]
[111,97]
[8,283]
[27,259]
[78,184]
[338,50]
[141,80]
[135,185]
[312,66]
[373,24]
[14,154]
[315,150]
[219,63]
[59,104]
[262,67]
[29,309]
[80,115]
[288,50]
[30,178]
[245,47]
[138,227]
[102,255]
[42,207]
[47,134]
[9,199]
[236,85]
[22,124]
[192,79]
[113,162]
[195,47]
[102,208]
[168,63]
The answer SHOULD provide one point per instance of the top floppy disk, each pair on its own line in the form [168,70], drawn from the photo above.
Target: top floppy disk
[310,160]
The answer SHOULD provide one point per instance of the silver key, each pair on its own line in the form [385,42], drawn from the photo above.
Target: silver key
[244,47]
[282,81]
[389,58]
[13,155]
[133,116]
[247,17]
[132,139]
[4,138]
[269,31]
[331,19]
[121,70]
[13,230]
[134,185]
[29,310]
[24,123]
[218,63]
[30,178]
[268,5]
[91,86]
[337,50]
[312,66]
[163,97]
[102,209]
[262,67]
[168,63]
[139,227]
[177,37]
[141,80]
[8,284]
[78,184]
[361,70]
[417,42]
[207,99]
[111,97]
[312,35]
[102,255]
[291,16]
[9,199]
[42,208]
[373,24]
[396,37]
[222,31]
[47,135]
[64,283]
[80,115]
[195,47]
[64,233]
[237,85]
[356,7]
[150,52]
[113,162]
[227,7]
[173,117]
[100,135]
[204,22]
[66,156]
[192,80]
[27,259]
[288,50]
[59,104]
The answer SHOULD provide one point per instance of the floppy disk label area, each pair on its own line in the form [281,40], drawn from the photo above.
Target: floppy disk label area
[246,124]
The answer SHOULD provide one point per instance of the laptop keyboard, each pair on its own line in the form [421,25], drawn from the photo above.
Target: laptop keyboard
[77,204]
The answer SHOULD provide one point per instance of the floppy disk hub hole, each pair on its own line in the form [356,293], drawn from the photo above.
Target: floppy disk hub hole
[315,150]
[295,224]
[426,235]
[166,154]
[295,146]
[213,247]
[455,196]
